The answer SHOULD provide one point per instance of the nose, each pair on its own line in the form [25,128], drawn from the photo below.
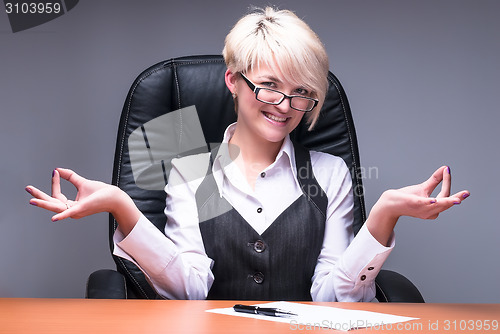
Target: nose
[284,106]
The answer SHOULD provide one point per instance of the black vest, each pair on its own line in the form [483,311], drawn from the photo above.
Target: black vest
[275,265]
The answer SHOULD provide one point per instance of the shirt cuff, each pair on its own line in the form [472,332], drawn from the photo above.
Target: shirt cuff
[146,246]
[363,259]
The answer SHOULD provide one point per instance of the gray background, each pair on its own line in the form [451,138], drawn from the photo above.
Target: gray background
[421,76]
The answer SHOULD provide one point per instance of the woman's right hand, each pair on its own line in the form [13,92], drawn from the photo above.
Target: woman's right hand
[92,197]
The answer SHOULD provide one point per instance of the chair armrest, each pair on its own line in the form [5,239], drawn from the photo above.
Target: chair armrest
[106,284]
[394,287]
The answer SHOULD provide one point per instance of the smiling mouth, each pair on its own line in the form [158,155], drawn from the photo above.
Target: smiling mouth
[275,118]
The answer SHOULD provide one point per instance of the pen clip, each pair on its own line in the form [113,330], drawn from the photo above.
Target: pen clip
[245,308]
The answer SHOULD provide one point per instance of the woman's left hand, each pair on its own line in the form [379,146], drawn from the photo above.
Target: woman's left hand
[413,201]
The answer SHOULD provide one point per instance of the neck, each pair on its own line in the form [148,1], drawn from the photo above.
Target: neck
[255,151]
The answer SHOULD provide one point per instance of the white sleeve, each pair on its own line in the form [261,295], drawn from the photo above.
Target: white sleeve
[347,265]
[175,263]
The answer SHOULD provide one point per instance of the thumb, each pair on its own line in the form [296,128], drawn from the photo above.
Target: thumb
[71,212]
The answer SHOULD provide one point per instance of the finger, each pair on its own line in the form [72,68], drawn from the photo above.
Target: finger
[464,194]
[56,187]
[444,203]
[460,196]
[71,176]
[70,212]
[37,193]
[434,180]
[437,207]
[51,205]
[446,186]
[428,208]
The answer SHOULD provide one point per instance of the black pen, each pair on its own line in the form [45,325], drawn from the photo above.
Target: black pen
[273,312]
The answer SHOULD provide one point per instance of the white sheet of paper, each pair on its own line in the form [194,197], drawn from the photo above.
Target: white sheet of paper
[316,316]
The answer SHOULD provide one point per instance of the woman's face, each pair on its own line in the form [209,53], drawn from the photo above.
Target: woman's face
[269,122]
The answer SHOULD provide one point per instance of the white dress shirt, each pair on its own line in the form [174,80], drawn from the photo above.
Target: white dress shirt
[176,263]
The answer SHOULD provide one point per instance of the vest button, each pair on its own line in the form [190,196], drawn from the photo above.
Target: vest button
[259,246]
[259,210]
[258,277]
[263,174]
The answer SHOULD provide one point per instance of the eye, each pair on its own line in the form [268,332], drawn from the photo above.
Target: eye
[302,91]
[268,84]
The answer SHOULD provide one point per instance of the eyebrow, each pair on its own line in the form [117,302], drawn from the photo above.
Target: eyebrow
[270,78]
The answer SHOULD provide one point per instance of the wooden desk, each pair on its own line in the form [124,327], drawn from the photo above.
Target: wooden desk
[142,317]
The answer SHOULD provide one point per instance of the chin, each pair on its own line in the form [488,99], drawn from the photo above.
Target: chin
[276,136]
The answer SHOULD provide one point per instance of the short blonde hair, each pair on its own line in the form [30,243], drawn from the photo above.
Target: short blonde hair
[282,41]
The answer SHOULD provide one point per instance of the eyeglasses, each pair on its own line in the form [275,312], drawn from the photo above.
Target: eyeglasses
[271,96]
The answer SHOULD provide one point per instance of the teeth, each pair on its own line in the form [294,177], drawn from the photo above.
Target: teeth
[275,118]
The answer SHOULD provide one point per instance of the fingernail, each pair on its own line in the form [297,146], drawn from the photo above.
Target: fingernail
[465,195]
[54,219]
[28,189]
[33,203]
[53,173]
[456,203]
[449,170]
[433,201]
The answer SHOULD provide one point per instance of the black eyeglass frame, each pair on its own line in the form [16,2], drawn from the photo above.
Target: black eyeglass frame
[256,90]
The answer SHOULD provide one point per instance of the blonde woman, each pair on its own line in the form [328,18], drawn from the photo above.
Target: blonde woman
[272,240]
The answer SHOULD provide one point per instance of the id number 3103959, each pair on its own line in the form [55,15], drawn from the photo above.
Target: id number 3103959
[465,325]
[33,8]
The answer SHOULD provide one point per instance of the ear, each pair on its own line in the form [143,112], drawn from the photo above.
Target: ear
[230,78]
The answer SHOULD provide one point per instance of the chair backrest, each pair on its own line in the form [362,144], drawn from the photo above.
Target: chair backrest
[199,81]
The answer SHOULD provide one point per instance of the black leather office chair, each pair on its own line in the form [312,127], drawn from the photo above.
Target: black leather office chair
[199,81]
